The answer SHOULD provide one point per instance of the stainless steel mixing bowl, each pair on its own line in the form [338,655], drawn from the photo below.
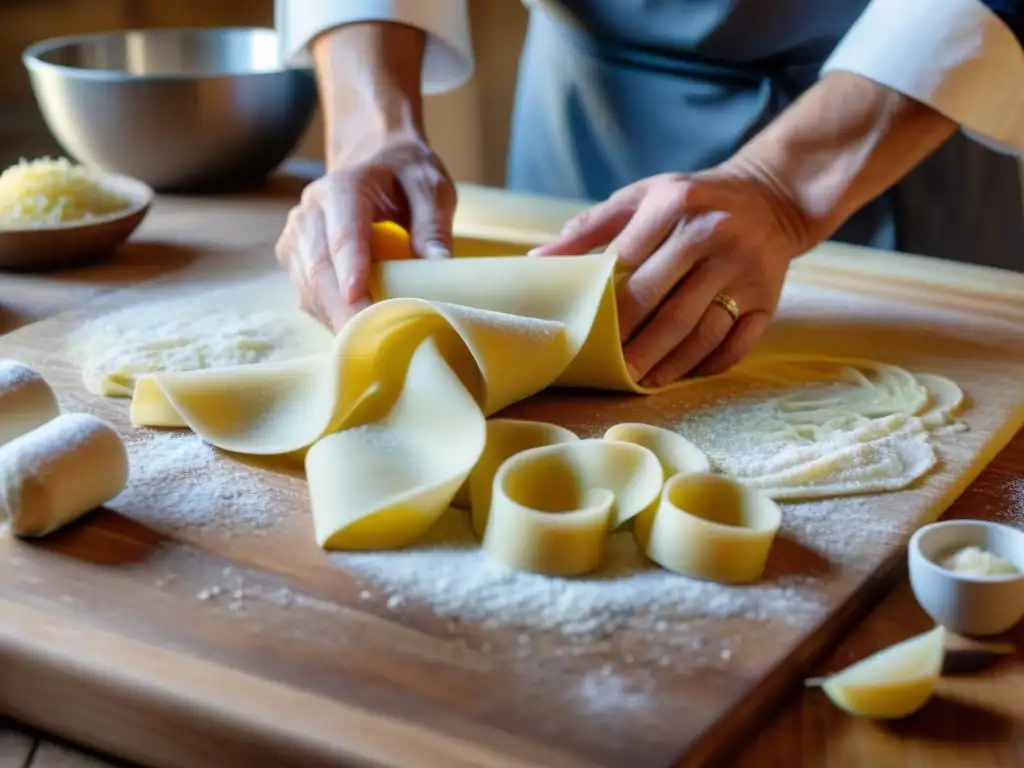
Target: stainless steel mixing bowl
[176,108]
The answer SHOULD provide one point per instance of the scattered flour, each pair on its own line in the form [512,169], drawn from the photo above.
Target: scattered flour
[178,482]
[14,375]
[603,690]
[630,611]
[233,587]
[448,571]
[854,434]
[249,323]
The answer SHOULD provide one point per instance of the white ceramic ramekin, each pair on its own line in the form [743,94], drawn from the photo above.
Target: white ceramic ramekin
[965,603]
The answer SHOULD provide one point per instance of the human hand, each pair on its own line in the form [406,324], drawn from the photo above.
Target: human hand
[325,245]
[698,248]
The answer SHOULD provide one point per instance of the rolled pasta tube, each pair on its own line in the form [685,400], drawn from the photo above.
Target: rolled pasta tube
[675,452]
[555,543]
[710,527]
[58,472]
[552,507]
[26,400]
[506,438]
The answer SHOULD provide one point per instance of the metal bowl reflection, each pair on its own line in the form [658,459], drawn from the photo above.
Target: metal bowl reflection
[176,108]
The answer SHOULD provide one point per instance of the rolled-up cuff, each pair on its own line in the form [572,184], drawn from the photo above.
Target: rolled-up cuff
[956,56]
[448,60]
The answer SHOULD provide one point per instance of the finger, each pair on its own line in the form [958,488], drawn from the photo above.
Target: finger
[431,201]
[347,217]
[660,212]
[643,234]
[325,298]
[711,330]
[738,344]
[676,318]
[284,249]
[593,228]
[308,301]
[690,243]
[290,256]
[642,292]
[298,279]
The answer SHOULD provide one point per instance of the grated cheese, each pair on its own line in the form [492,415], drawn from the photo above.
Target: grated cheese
[47,192]
[975,561]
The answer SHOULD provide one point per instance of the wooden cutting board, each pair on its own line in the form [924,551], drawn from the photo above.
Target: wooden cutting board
[225,637]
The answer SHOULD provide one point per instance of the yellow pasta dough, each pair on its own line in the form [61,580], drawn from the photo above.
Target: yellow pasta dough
[676,453]
[412,450]
[554,505]
[393,417]
[495,344]
[710,527]
[506,438]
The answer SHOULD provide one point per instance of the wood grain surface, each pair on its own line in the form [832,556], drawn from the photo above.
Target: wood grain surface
[105,643]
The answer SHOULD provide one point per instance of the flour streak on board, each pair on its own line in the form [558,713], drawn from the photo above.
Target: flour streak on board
[178,482]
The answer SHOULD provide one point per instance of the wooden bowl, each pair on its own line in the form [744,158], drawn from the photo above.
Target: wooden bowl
[60,245]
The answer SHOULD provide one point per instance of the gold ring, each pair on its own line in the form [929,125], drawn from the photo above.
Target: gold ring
[728,303]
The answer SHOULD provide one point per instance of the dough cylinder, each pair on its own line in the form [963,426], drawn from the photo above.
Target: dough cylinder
[58,472]
[26,400]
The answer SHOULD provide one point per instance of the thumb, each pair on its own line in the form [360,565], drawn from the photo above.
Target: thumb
[431,211]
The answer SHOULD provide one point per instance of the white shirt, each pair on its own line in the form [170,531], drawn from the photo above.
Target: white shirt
[954,55]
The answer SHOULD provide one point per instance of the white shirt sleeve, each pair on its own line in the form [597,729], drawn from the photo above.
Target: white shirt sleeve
[956,56]
[448,61]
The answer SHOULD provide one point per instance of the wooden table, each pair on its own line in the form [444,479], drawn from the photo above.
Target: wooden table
[977,720]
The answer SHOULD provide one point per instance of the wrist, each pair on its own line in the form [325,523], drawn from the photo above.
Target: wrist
[843,143]
[788,214]
[369,76]
[369,129]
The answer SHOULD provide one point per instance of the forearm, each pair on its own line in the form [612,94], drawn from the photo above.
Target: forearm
[369,75]
[844,142]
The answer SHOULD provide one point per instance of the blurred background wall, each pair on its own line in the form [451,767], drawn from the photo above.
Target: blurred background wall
[468,127]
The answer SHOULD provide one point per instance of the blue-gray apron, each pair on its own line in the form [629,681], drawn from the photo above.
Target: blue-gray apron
[612,91]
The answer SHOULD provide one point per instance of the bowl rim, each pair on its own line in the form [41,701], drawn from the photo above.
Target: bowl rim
[139,205]
[30,56]
[914,551]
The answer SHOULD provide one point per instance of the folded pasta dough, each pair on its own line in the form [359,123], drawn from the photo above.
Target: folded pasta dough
[392,416]
[506,438]
[395,472]
[504,328]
